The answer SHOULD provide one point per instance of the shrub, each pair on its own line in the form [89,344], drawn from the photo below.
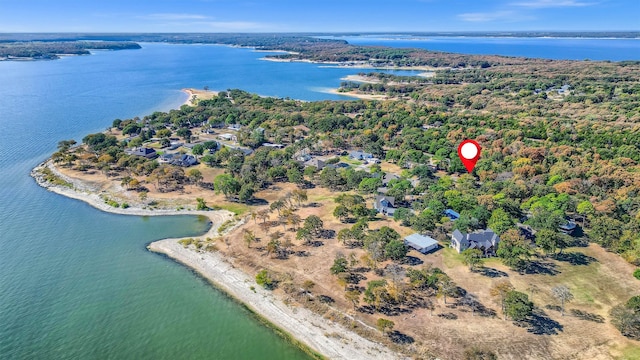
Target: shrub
[636,274]
[124,205]
[264,279]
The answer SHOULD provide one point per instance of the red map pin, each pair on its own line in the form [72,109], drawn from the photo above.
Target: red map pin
[469,152]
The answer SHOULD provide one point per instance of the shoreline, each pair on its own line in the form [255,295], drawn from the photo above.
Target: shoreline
[352,65]
[195,94]
[357,96]
[317,336]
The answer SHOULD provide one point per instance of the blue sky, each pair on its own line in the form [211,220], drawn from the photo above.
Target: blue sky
[316,15]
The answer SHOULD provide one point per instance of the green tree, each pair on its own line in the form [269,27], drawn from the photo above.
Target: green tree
[295,176]
[314,224]
[500,221]
[395,250]
[585,208]
[198,150]
[249,237]
[246,193]
[547,240]
[202,205]
[341,212]
[184,133]
[264,279]
[403,215]
[517,305]
[605,231]
[384,325]
[513,249]
[304,234]
[472,258]
[340,265]
[226,184]
[370,185]
[426,221]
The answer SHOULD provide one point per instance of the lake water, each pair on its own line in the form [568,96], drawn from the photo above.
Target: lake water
[76,283]
[548,48]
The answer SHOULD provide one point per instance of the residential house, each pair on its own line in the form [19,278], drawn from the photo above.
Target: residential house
[277,146]
[184,160]
[451,214]
[389,177]
[422,243]
[339,165]
[228,137]
[303,157]
[568,227]
[485,240]
[174,145]
[315,162]
[148,153]
[359,155]
[385,205]
[235,127]
[166,158]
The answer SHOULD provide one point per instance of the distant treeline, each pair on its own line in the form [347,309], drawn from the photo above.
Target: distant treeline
[51,49]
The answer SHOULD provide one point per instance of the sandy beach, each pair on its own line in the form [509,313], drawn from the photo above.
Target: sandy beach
[196,94]
[356,95]
[319,334]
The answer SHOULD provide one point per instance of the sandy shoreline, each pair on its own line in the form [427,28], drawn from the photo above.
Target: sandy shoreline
[317,333]
[195,94]
[356,95]
[358,65]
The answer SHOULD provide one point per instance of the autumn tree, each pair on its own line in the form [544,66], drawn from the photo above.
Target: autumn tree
[500,290]
[513,250]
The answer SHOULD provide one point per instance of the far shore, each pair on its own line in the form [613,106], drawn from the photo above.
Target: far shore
[310,331]
[358,65]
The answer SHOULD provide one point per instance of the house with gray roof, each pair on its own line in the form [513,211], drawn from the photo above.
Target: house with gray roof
[422,243]
[385,205]
[485,241]
[315,162]
[148,153]
[360,155]
[389,177]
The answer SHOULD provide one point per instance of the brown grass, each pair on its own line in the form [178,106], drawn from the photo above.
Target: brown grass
[602,283]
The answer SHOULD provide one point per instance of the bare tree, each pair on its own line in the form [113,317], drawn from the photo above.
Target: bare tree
[563,294]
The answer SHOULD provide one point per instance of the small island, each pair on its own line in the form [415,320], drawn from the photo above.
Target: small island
[354,227]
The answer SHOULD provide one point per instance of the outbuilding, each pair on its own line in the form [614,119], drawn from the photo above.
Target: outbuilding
[422,243]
